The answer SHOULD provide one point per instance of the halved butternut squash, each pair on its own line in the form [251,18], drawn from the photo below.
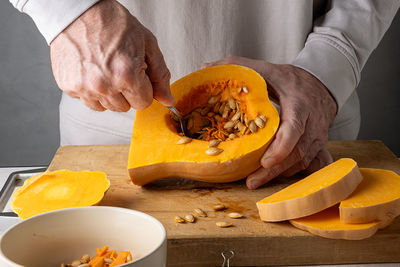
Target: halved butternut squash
[57,190]
[318,191]
[155,154]
[376,198]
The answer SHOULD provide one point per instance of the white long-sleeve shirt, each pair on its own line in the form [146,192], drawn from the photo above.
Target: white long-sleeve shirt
[330,39]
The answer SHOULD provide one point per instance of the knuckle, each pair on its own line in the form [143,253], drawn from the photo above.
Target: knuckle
[299,152]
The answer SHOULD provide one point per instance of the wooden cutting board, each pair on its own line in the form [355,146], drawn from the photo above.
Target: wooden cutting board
[254,242]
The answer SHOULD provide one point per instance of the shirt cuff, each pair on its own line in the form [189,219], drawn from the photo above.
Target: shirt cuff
[53,16]
[332,63]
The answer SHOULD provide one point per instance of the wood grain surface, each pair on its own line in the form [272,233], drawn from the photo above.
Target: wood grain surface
[254,242]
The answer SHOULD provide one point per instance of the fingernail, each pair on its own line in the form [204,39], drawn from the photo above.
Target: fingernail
[253,183]
[267,162]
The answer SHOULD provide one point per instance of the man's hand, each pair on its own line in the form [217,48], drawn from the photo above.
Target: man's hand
[110,61]
[307,111]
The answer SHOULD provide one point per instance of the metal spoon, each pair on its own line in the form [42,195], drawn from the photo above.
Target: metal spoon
[179,116]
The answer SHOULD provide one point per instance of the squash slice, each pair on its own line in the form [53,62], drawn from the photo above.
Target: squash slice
[318,191]
[376,198]
[327,224]
[57,190]
[155,154]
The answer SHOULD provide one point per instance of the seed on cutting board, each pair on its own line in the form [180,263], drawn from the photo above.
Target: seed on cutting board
[200,212]
[214,99]
[259,122]
[253,126]
[108,260]
[179,219]
[189,218]
[213,143]
[219,207]
[235,215]
[229,125]
[244,88]
[184,140]
[223,224]
[213,151]
[85,258]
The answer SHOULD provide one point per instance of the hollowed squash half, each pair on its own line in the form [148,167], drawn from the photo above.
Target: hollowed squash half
[155,154]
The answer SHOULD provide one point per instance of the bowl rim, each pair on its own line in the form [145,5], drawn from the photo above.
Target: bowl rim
[126,210]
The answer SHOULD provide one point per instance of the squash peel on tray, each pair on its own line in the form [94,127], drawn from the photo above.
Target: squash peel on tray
[60,189]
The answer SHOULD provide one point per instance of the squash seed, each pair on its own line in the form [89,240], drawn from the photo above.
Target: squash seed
[264,118]
[221,108]
[189,218]
[246,122]
[232,136]
[229,125]
[239,90]
[85,258]
[213,143]
[219,207]
[240,126]
[205,110]
[179,219]
[200,212]
[213,151]
[214,99]
[217,117]
[235,215]
[231,103]
[223,224]
[84,265]
[210,114]
[236,116]
[184,140]
[129,257]
[259,122]
[253,126]
[225,114]
[76,263]
[244,88]
[216,107]
[108,260]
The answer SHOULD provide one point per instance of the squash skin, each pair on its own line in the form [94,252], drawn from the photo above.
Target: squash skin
[236,162]
[381,211]
[314,202]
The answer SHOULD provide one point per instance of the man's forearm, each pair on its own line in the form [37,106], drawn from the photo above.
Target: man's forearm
[53,16]
[342,40]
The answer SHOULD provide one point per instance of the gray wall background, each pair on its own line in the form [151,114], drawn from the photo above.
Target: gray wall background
[29,96]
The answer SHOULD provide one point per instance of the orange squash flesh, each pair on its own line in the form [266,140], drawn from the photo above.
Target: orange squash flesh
[154,153]
[57,190]
[318,191]
[327,224]
[376,198]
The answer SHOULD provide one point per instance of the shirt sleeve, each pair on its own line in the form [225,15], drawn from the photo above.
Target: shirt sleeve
[53,16]
[342,40]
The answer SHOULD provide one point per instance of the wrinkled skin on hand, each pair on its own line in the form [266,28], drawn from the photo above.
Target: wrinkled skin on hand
[109,60]
[307,111]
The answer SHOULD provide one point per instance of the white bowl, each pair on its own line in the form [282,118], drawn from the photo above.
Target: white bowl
[52,238]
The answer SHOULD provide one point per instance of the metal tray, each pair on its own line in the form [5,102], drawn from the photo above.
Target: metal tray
[14,180]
